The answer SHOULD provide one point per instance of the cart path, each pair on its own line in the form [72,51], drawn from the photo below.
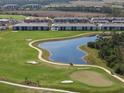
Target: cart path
[36,88]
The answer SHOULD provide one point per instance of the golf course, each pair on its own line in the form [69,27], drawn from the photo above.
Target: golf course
[15,54]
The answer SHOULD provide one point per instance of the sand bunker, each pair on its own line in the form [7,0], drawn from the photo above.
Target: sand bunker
[32,62]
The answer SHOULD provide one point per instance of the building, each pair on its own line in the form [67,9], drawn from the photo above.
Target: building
[3,28]
[8,22]
[10,7]
[37,20]
[71,20]
[110,27]
[73,27]
[100,20]
[32,6]
[118,20]
[70,24]
[4,24]
[31,26]
[4,21]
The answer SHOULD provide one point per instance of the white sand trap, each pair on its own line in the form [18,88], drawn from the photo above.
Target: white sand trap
[67,81]
[29,40]
[14,31]
[32,62]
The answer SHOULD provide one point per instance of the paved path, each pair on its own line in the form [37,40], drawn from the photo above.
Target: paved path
[36,88]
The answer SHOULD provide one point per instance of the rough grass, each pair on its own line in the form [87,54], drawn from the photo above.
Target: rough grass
[15,52]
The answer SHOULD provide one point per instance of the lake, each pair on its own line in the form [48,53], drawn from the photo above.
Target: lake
[67,51]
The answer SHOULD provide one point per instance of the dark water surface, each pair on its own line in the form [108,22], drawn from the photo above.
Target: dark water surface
[67,51]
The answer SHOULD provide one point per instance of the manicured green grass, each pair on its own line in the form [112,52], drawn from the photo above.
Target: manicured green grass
[17,17]
[15,52]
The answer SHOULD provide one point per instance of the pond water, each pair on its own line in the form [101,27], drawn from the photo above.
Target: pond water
[67,51]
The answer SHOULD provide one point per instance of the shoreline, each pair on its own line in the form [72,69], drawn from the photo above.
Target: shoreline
[47,54]
[82,47]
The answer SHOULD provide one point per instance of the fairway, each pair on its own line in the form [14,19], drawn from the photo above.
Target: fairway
[15,53]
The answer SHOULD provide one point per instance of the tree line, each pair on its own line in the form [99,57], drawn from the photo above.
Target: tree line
[111,49]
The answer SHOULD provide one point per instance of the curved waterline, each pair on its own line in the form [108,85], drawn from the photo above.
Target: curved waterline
[67,51]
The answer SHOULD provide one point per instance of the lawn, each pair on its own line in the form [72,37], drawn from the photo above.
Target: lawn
[15,52]
[17,17]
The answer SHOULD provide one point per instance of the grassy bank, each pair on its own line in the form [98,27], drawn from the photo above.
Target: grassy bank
[93,57]
[15,52]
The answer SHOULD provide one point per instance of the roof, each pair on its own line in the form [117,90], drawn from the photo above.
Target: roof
[32,24]
[56,18]
[40,18]
[72,24]
[4,20]
[114,24]
[118,21]
[100,21]
[10,5]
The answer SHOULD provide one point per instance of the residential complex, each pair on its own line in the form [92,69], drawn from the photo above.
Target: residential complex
[68,23]
[73,27]
[31,26]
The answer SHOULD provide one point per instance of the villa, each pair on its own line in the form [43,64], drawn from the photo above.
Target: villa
[71,20]
[10,7]
[73,27]
[4,21]
[31,26]
[37,20]
[71,24]
[110,27]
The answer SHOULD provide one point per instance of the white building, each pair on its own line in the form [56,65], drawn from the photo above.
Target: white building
[71,20]
[73,27]
[4,21]
[111,27]
[31,26]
